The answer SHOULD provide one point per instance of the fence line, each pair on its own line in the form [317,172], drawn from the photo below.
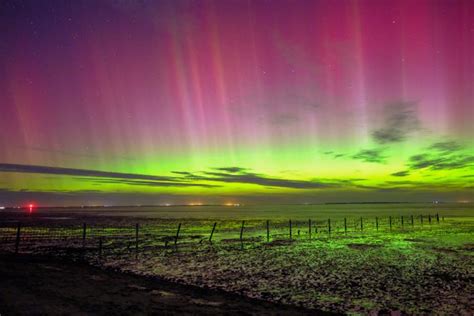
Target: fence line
[88,238]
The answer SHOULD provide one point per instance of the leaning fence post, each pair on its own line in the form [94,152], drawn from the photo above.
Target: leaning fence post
[242,235]
[177,235]
[291,237]
[136,240]
[377,223]
[390,222]
[17,241]
[345,225]
[329,226]
[84,228]
[212,232]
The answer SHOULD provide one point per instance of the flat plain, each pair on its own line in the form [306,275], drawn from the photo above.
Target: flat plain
[357,259]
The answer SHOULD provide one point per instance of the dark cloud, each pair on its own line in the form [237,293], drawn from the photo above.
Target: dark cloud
[400,120]
[447,146]
[252,178]
[155,183]
[423,185]
[440,162]
[422,161]
[226,175]
[401,173]
[239,175]
[184,173]
[456,162]
[231,169]
[6,167]
[370,155]
[334,154]
[103,176]
[443,155]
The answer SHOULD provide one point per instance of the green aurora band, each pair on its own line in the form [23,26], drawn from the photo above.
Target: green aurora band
[215,103]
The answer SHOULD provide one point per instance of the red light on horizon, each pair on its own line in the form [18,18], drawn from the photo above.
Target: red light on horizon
[31,208]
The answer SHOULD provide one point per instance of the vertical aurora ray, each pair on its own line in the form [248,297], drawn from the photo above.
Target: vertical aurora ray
[361,100]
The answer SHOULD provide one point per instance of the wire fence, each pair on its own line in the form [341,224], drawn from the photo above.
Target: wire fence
[98,240]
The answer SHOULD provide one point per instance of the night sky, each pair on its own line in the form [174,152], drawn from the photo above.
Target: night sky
[125,102]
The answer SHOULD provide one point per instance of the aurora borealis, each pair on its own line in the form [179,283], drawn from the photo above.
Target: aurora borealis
[124,102]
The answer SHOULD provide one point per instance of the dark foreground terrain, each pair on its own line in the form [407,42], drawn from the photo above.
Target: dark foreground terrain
[32,285]
[398,265]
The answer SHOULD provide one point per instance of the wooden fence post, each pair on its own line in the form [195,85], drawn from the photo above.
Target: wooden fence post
[377,223]
[412,221]
[421,219]
[177,235]
[242,235]
[329,226]
[390,222]
[309,228]
[429,218]
[291,237]
[17,241]
[268,230]
[212,232]
[437,218]
[345,225]
[361,225]
[402,221]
